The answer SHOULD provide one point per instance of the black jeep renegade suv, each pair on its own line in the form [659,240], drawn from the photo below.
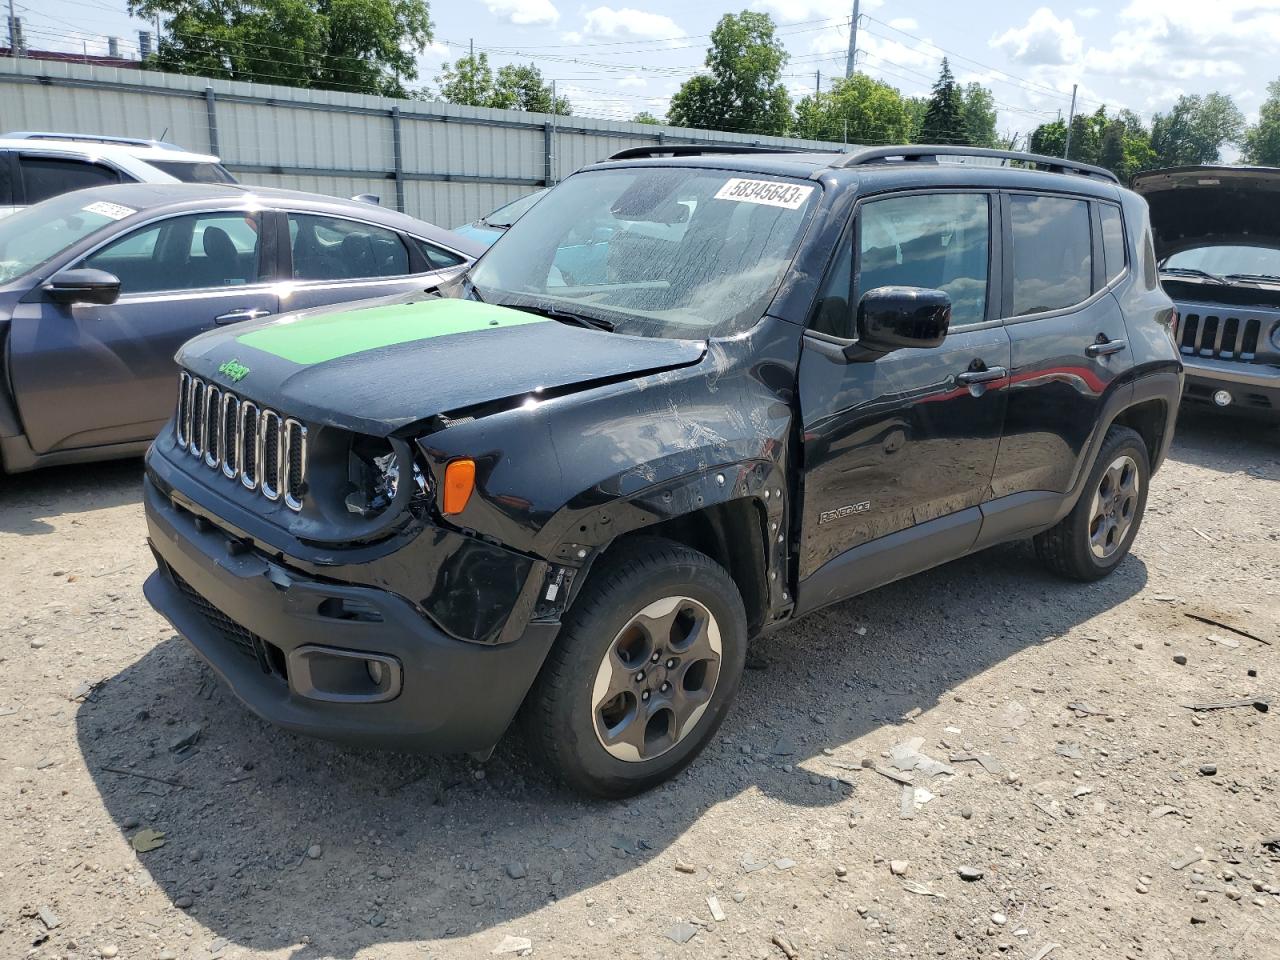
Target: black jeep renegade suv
[687,398]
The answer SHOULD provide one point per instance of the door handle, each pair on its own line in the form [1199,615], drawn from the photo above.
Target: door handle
[970,377]
[244,313]
[1104,348]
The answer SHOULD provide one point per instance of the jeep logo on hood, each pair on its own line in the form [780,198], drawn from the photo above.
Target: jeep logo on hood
[234,370]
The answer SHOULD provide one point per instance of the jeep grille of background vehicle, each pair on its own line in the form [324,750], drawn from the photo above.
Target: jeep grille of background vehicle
[1219,337]
[264,450]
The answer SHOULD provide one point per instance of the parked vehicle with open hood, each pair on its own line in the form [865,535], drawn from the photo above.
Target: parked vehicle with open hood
[1216,244]
[100,287]
[790,378]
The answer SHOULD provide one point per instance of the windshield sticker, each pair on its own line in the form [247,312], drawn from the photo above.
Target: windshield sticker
[769,192]
[112,211]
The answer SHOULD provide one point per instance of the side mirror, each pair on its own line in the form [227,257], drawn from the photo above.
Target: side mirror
[83,286]
[893,318]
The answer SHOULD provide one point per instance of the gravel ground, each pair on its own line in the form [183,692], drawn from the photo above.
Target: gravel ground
[1128,826]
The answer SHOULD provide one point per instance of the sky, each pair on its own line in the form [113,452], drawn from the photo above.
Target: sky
[614,61]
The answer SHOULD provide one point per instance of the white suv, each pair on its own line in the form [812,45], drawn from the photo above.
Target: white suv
[37,166]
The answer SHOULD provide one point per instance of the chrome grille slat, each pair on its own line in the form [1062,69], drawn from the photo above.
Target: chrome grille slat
[258,447]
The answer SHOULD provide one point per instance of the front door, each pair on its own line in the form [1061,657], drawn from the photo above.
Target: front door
[907,441]
[88,375]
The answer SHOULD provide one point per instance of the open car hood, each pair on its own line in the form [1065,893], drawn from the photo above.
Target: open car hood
[389,363]
[1195,206]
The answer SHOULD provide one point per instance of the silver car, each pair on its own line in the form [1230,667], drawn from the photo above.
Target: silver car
[99,288]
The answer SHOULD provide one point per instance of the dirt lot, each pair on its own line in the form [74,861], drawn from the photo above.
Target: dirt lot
[1083,824]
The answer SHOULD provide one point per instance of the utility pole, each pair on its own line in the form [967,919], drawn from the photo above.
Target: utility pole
[853,42]
[1071,117]
[15,43]
[555,146]
[817,81]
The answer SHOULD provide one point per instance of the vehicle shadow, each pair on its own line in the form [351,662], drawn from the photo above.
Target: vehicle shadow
[413,849]
[27,500]
[1222,443]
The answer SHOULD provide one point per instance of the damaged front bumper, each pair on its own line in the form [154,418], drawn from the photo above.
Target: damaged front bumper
[346,658]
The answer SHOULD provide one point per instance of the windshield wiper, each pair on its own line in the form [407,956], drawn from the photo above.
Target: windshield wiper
[1193,272]
[1261,277]
[578,319]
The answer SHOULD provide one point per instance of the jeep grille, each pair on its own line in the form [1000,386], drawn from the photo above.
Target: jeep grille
[262,449]
[1219,337]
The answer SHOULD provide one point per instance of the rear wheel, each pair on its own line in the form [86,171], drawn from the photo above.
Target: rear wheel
[1090,541]
[647,662]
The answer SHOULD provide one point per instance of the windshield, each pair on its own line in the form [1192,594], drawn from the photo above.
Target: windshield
[509,213]
[194,172]
[654,251]
[1228,260]
[39,233]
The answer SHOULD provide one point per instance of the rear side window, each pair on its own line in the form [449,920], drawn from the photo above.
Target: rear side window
[45,177]
[437,257]
[1052,253]
[331,248]
[1150,271]
[1113,251]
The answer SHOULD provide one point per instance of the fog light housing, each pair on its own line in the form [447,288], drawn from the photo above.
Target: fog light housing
[1222,398]
[334,675]
[377,671]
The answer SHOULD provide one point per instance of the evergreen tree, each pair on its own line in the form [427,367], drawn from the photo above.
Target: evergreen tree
[944,116]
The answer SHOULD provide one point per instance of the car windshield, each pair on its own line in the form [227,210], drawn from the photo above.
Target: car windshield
[1228,260]
[189,172]
[35,235]
[509,213]
[652,251]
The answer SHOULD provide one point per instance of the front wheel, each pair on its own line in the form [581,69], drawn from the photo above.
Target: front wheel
[647,662]
[1090,541]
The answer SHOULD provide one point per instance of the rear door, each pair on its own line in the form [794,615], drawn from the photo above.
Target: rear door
[89,375]
[907,441]
[1068,339]
[334,259]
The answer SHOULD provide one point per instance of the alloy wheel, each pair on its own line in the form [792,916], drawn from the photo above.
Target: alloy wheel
[1115,504]
[656,679]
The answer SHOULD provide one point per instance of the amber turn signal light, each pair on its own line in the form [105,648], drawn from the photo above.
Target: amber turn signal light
[459,481]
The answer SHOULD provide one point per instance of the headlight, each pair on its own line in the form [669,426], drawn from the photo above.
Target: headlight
[374,477]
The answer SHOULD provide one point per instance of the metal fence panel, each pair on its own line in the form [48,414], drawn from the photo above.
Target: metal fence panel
[441,162]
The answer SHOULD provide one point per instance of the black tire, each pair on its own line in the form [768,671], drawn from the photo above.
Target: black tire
[1067,548]
[560,720]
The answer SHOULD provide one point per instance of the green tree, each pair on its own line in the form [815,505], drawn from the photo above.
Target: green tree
[743,90]
[1195,129]
[364,46]
[468,81]
[979,115]
[916,108]
[944,120]
[1262,140]
[874,111]
[644,116]
[1049,139]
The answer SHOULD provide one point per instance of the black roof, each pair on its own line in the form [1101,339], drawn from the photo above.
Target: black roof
[883,168]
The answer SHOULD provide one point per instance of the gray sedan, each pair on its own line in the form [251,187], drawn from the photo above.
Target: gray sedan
[99,288]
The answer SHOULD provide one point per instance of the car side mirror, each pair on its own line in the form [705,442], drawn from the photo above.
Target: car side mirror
[83,286]
[894,318]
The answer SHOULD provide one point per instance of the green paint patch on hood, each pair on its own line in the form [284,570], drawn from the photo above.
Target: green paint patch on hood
[328,336]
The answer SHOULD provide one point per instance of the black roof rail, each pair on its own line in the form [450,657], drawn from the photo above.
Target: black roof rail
[691,150]
[930,153]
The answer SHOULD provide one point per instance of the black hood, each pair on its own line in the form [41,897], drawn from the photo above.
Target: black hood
[386,364]
[1196,206]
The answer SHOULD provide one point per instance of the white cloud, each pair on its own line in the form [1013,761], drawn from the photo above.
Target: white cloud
[626,23]
[524,12]
[631,80]
[1087,13]
[792,11]
[904,23]
[1043,41]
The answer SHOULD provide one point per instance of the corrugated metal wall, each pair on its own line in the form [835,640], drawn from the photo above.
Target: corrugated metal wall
[455,163]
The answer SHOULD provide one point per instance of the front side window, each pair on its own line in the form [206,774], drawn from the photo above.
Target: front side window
[655,251]
[939,242]
[1112,240]
[332,248]
[45,177]
[194,252]
[1052,253]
